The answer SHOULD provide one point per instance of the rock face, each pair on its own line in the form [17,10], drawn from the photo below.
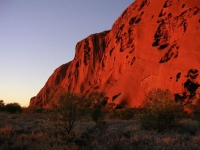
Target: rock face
[153,44]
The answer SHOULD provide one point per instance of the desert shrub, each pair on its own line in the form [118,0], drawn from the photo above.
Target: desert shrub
[188,126]
[102,125]
[6,135]
[114,140]
[194,107]
[13,107]
[96,112]
[196,116]
[161,112]
[124,113]
[38,110]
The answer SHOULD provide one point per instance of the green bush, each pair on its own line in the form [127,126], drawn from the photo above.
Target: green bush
[161,112]
[13,107]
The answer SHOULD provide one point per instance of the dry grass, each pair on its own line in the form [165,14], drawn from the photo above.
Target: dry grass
[30,131]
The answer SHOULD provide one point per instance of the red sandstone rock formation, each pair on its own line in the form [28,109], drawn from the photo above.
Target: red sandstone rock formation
[153,44]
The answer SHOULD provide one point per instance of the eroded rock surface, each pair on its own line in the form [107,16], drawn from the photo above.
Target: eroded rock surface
[153,44]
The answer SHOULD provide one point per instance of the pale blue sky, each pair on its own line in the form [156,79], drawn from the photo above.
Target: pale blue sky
[37,36]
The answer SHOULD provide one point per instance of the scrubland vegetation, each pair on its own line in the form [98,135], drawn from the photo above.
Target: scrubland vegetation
[85,124]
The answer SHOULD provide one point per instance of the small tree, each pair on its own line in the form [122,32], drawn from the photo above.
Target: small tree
[68,110]
[13,107]
[2,105]
[97,99]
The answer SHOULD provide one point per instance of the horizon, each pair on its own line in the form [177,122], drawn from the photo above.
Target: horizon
[39,36]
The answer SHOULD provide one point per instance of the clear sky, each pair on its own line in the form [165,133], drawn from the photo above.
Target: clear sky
[37,36]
